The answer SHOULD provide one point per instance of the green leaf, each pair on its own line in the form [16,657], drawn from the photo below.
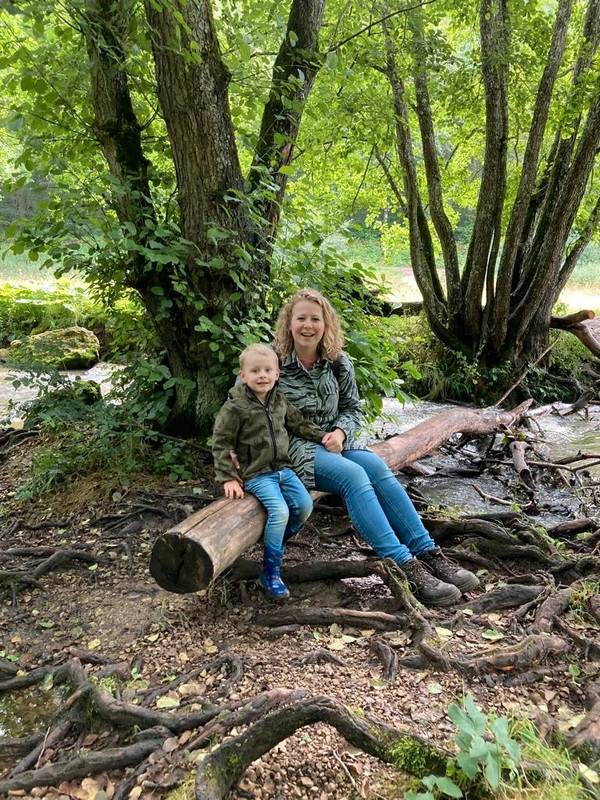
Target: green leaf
[492,770]
[48,682]
[468,764]
[332,59]
[448,786]
[492,635]
[167,702]
[245,49]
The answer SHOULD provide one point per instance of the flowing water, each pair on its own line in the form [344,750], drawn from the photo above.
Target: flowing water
[11,398]
[555,437]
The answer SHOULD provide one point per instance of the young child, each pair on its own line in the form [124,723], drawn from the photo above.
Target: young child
[250,450]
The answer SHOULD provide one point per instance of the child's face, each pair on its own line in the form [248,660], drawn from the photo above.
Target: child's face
[260,372]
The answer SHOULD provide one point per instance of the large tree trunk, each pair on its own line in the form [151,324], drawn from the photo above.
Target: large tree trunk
[191,284]
[191,555]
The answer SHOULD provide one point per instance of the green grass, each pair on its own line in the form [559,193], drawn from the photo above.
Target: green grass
[19,269]
[582,290]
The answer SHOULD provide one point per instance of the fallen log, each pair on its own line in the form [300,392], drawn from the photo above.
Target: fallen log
[191,555]
[583,326]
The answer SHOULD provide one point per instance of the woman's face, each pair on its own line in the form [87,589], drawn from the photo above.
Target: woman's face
[307,325]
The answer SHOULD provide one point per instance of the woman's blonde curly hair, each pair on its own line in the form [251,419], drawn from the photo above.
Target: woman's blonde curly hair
[330,345]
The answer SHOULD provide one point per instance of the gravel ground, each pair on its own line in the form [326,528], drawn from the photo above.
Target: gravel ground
[118,611]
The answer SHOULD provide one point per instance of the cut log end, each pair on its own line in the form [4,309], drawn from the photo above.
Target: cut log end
[179,564]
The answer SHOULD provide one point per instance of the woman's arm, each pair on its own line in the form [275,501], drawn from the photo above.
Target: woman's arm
[297,423]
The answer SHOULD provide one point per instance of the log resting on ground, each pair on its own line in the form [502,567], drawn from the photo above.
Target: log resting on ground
[191,555]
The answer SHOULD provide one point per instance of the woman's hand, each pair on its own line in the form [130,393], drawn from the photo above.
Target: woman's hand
[333,441]
[233,490]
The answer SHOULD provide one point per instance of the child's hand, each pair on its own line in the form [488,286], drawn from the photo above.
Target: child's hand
[233,490]
[334,440]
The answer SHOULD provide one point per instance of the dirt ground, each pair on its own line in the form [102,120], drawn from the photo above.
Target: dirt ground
[109,606]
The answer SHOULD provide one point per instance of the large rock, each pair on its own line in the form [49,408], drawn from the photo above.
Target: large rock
[63,348]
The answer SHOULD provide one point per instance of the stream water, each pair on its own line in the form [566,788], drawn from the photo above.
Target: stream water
[11,398]
[555,437]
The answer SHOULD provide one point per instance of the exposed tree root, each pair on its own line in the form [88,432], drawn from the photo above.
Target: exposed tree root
[83,766]
[378,620]
[388,658]
[223,767]
[243,569]
[585,738]
[503,597]
[55,558]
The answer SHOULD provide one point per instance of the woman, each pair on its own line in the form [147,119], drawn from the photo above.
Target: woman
[319,380]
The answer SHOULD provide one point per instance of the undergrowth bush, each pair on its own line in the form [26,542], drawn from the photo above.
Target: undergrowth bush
[108,437]
[123,329]
[503,758]
[440,374]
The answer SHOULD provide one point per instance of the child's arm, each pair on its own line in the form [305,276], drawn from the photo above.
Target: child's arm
[297,423]
[225,433]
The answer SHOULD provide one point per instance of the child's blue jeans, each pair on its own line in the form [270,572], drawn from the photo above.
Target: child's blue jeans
[286,500]
[377,504]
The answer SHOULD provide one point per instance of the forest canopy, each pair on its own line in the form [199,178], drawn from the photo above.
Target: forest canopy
[200,153]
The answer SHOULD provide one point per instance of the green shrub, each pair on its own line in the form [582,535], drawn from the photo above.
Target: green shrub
[103,439]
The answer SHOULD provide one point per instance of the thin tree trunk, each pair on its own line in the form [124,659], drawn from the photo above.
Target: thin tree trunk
[439,217]
[294,73]
[516,225]
[485,240]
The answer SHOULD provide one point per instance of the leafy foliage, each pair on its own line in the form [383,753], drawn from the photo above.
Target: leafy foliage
[85,434]
[122,328]
[487,753]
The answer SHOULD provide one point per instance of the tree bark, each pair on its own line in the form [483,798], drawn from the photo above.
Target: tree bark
[294,73]
[518,217]
[485,240]
[192,554]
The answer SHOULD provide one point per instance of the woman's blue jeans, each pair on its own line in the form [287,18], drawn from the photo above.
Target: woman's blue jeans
[378,506]
[286,500]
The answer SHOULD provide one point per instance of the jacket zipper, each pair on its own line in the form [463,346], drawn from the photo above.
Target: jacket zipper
[270,427]
[271,431]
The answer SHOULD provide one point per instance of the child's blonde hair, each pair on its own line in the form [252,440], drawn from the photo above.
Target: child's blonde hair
[332,342]
[260,350]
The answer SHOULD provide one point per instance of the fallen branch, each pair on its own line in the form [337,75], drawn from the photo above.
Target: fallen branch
[378,620]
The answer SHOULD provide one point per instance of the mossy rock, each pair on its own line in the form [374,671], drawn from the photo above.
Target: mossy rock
[62,348]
